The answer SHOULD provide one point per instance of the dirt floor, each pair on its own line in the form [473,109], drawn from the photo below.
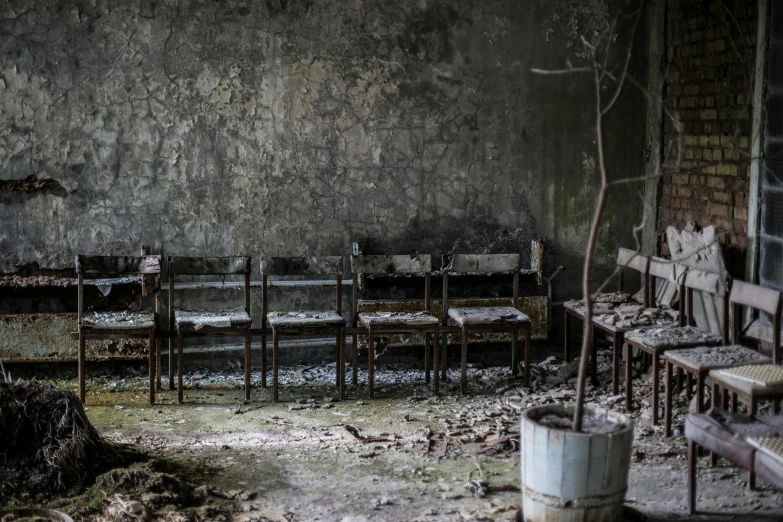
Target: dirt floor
[403,456]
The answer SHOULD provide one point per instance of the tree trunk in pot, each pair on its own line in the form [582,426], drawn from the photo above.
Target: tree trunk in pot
[574,477]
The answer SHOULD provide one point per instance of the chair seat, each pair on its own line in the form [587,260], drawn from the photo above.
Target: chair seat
[705,358]
[658,339]
[633,316]
[304,318]
[124,320]
[197,319]
[397,319]
[487,315]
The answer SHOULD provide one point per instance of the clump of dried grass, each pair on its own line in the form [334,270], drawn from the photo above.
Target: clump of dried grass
[46,440]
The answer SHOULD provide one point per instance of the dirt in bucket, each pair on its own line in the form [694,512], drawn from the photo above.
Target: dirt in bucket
[594,424]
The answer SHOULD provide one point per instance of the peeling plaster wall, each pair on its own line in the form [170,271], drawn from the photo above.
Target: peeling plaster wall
[298,126]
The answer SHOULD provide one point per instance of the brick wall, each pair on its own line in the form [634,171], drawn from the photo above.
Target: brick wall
[708,85]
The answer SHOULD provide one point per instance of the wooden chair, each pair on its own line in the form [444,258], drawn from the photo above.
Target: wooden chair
[625,259]
[487,318]
[213,322]
[657,269]
[701,361]
[388,322]
[654,341]
[769,301]
[127,324]
[304,322]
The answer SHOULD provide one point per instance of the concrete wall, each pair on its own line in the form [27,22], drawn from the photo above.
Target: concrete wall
[299,126]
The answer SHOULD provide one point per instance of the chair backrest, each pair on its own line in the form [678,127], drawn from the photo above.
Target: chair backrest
[714,284]
[179,265]
[760,298]
[300,266]
[671,275]
[206,266]
[390,265]
[116,266]
[96,267]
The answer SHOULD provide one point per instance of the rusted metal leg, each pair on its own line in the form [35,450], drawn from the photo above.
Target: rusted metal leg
[341,364]
[700,392]
[158,364]
[593,357]
[463,383]
[667,407]
[370,362]
[263,361]
[171,364]
[435,363]
[527,355]
[616,348]
[427,345]
[275,363]
[153,359]
[656,383]
[355,359]
[628,379]
[515,354]
[247,365]
[693,449]
[82,365]
[566,335]
[180,342]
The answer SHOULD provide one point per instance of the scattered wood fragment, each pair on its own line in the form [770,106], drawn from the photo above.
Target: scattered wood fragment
[367,440]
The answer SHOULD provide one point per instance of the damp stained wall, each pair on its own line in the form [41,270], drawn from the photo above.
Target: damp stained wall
[292,127]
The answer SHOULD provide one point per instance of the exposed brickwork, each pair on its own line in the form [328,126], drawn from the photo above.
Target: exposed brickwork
[708,86]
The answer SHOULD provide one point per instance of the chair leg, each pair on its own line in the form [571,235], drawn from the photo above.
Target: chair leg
[82,365]
[444,348]
[700,392]
[370,363]
[716,393]
[667,408]
[180,342]
[616,349]
[692,454]
[688,386]
[733,403]
[593,357]
[566,335]
[427,345]
[656,383]
[515,353]
[463,383]
[435,363]
[355,359]
[263,361]
[341,364]
[275,362]
[158,364]
[628,380]
[247,365]
[153,367]
[171,364]
[528,333]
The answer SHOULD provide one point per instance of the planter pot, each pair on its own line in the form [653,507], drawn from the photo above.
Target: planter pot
[574,477]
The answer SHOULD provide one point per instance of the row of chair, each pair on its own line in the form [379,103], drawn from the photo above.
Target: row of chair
[694,352]
[184,323]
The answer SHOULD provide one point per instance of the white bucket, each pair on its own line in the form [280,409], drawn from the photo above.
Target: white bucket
[574,477]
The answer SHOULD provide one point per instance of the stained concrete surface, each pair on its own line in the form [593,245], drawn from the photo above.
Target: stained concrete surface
[294,127]
[296,460]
